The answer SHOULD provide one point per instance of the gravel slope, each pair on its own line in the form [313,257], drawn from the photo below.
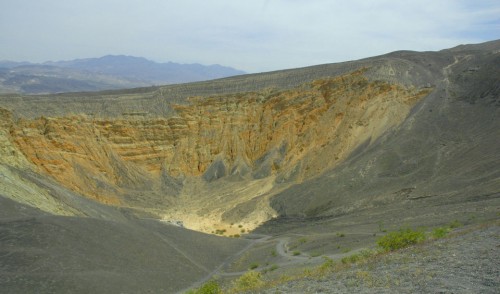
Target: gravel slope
[467,262]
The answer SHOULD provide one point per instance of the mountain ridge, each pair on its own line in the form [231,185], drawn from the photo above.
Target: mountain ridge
[104,73]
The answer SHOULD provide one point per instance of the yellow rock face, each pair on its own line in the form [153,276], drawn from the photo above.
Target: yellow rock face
[291,135]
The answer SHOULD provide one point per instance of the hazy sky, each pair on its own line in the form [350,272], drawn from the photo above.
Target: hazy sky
[256,35]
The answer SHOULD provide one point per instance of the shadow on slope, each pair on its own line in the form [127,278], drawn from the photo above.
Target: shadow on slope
[43,253]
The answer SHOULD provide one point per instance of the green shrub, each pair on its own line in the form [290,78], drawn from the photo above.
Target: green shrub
[351,259]
[210,287]
[455,224]
[361,255]
[295,253]
[273,267]
[315,254]
[440,232]
[400,239]
[249,281]
[366,253]
[326,266]
[254,266]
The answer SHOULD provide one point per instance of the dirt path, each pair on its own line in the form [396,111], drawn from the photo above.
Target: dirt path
[282,249]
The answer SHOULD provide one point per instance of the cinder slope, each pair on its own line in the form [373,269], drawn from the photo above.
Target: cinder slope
[446,152]
[466,262]
[42,253]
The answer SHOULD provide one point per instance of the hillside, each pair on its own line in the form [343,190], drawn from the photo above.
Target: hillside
[464,262]
[406,138]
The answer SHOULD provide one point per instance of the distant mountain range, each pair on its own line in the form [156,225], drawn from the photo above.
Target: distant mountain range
[104,73]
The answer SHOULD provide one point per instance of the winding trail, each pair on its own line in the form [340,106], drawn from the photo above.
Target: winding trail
[447,72]
[281,250]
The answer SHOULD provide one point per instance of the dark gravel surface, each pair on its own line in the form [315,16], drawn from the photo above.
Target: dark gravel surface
[467,262]
[42,253]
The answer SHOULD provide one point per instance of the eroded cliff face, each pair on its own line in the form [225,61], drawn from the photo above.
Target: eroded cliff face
[272,137]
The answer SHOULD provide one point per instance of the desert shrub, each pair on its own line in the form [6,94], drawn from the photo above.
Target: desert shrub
[360,256]
[440,232]
[365,253]
[270,269]
[400,239]
[210,287]
[315,254]
[326,266]
[455,224]
[351,259]
[253,265]
[273,267]
[249,281]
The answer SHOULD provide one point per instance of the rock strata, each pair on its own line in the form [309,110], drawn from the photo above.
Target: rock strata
[292,134]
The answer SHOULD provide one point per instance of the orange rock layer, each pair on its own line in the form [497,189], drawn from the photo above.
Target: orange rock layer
[102,158]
